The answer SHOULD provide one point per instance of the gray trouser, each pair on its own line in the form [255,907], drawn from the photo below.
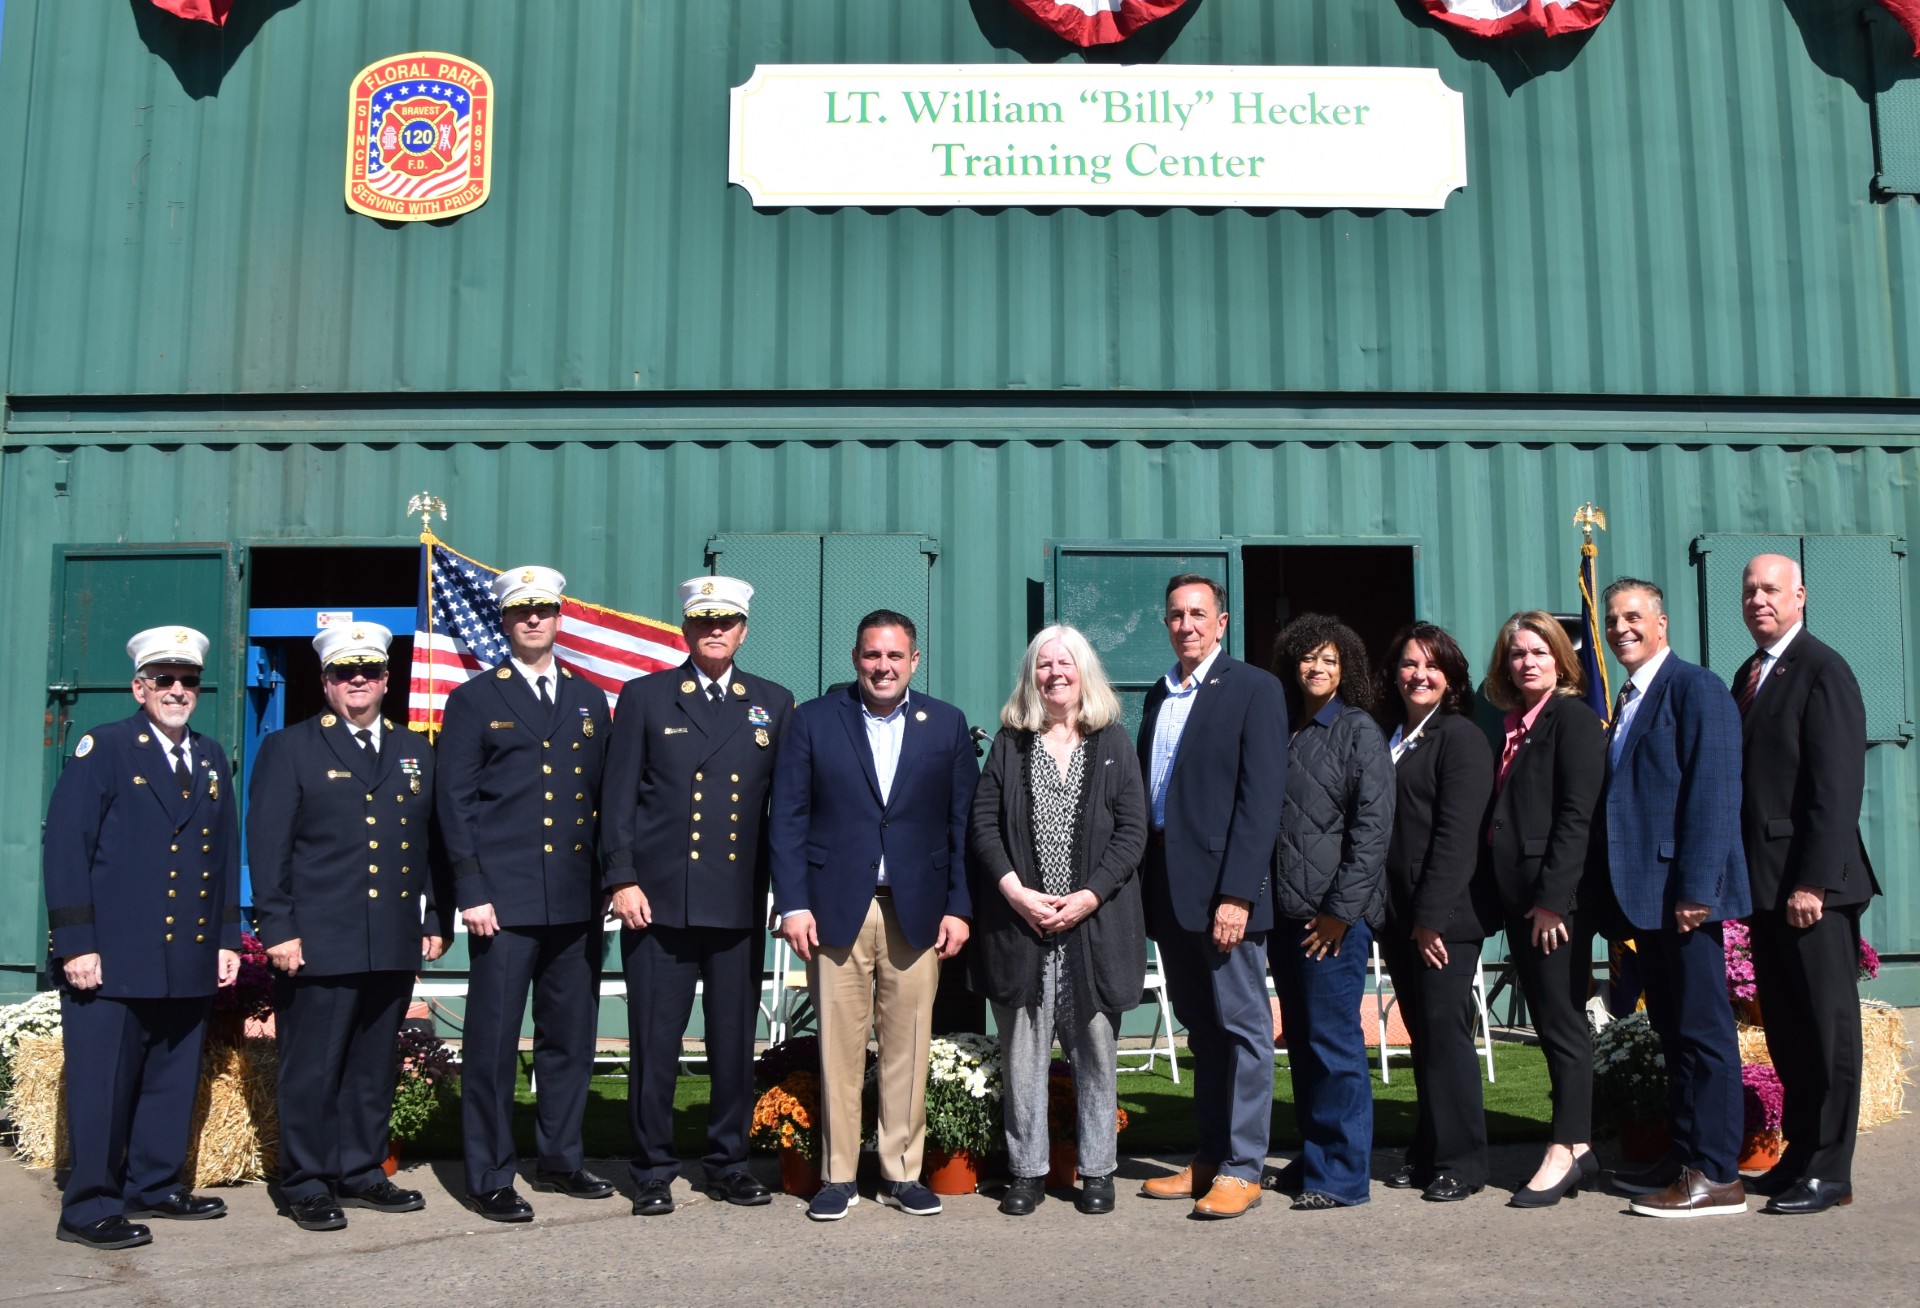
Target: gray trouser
[1026,1045]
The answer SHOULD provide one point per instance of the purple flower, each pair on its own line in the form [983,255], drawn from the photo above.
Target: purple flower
[1761,1097]
[1869,961]
[1739,950]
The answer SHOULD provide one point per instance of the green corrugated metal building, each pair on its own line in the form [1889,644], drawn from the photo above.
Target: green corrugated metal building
[1680,284]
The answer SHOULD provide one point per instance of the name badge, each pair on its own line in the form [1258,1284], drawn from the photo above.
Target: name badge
[334,774]
[673,731]
[498,725]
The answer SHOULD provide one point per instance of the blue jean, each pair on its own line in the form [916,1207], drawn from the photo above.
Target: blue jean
[1332,1093]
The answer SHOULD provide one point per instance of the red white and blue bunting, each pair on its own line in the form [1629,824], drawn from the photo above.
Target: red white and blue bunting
[1096,22]
[1513,17]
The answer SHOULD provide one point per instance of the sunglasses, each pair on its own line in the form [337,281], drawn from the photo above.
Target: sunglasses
[354,671]
[167,680]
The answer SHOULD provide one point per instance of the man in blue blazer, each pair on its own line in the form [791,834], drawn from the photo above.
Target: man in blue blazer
[868,829]
[1670,838]
[1213,753]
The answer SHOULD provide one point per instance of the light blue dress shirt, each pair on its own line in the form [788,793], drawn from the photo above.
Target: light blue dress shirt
[1168,727]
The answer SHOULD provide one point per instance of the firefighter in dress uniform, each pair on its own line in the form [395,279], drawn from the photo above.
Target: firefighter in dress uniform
[338,814]
[517,800]
[688,773]
[143,906]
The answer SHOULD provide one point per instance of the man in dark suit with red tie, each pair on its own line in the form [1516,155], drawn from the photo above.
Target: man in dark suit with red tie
[1804,725]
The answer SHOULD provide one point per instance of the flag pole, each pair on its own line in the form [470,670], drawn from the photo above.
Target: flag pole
[1587,517]
[426,504]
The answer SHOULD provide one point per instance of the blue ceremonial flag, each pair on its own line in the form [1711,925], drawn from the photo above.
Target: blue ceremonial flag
[1593,665]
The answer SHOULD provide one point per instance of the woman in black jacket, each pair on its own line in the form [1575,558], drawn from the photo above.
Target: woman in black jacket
[1552,765]
[1329,884]
[1443,773]
[1054,843]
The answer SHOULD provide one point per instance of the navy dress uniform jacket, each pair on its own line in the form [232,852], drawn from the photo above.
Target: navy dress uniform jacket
[685,799]
[337,847]
[137,874]
[518,794]
[829,829]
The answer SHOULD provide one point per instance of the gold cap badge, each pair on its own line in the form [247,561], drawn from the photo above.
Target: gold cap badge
[526,577]
[180,637]
[707,589]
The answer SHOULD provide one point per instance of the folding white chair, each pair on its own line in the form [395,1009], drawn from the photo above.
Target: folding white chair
[1384,999]
[1156,985]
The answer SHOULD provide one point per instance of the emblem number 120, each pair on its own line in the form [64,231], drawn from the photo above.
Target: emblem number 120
[420,137]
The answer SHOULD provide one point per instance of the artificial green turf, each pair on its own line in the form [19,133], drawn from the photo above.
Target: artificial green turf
[1160,1113]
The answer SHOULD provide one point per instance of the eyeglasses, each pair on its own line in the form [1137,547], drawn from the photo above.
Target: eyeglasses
[167,680]
[344,672]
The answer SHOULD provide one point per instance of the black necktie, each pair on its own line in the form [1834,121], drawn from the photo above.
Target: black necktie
[181,772]
[716,693]
[546,700]
[366,744]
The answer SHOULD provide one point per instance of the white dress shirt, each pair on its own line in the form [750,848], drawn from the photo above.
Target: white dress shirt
[1640,680]
[884,738]
[1770,655]
[552,674]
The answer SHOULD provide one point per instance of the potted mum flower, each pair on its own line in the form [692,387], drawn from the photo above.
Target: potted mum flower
[425,1071]
[1630,1085]
[963,1110]
[1761,1099]
[784,1121]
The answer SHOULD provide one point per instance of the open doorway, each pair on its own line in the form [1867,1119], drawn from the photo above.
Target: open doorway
[297,584]
[1369,587]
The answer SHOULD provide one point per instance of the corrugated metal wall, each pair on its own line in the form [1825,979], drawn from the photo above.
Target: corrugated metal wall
[626,520]
[1679,205]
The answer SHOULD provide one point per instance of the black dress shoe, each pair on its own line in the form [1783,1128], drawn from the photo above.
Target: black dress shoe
[1448,1190]
[1581,1176]
[502,1205]
[653,1199]
[1096,1195]
[1406,1177]
[740,1187]
[579,1183]
[1648,1180]
[1290,1179]
[1024,1195]
[317,1212]
[180,1206]
[384,1197]
[1808,1195]
[107,1233]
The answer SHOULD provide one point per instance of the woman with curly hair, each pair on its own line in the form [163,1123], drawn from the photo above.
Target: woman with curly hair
[1438,914]
[1329,883]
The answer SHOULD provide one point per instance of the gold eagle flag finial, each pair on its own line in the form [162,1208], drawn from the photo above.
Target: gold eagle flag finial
[426,504]
[1586,518]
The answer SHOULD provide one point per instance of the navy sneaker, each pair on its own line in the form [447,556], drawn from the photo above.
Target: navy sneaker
[911,1197]
[831,1204]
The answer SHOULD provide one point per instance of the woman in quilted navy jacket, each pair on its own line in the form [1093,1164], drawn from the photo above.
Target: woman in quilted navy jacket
[1329,886]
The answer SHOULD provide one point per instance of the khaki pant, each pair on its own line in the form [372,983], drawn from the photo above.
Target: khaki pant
[879,983]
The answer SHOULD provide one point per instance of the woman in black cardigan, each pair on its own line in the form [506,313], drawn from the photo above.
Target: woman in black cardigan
[1443,774]
[1054,843]
[1547,786]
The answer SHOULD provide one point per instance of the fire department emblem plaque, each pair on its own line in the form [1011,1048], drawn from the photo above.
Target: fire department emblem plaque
[420,138]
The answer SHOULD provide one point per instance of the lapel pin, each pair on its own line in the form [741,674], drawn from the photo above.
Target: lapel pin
[921,716]
[686,687]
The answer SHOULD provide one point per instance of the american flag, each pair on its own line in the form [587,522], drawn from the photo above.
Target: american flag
[461,637]
[457,140]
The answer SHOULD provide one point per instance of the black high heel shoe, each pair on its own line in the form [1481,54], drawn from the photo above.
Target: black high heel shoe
[1583,1175]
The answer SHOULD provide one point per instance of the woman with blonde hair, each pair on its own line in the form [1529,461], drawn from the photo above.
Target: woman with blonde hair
[1058,829]
[1547,784]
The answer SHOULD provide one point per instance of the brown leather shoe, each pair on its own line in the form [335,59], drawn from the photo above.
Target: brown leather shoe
[1229,1197]
[1693,1195]
[1190,1182]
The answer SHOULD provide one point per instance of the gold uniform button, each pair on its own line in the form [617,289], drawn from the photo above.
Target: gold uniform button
[696,817]
[578,848]
[169,919]
[202,922]
[579,794]
[206,831]
[206,876]
[579,822]
[546,767]
[169,937]
[577,771]
[403,821]
[549,849]
[696,797]
[548,821]
[172,875]
[372,820]
[699,776]
[576,744]
[733,835]
[203,894]
[736,776]
[695,854]
[549,794]
[696,835]
[174,849]
[373,844]
[199,940]
[398,799]
[405,845]
[732,857]
[733,817]
[171,892]
[546,744]
[206,849]
[405,870]
[373,867]
[373,894]
[736,799]
[403,894]
[369,799]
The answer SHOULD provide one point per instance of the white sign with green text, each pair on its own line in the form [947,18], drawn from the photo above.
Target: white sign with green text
[1187,135]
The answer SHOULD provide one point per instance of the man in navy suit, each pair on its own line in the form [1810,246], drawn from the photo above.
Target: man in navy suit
[1670,839]
[1213,753]
[143,906]
[517,801]
[1805,725]
[868,829]
[687,778]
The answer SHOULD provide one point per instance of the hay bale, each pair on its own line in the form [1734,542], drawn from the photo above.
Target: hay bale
[1753,1045]
[1883,1073]
[236,1127]
[36,1104]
